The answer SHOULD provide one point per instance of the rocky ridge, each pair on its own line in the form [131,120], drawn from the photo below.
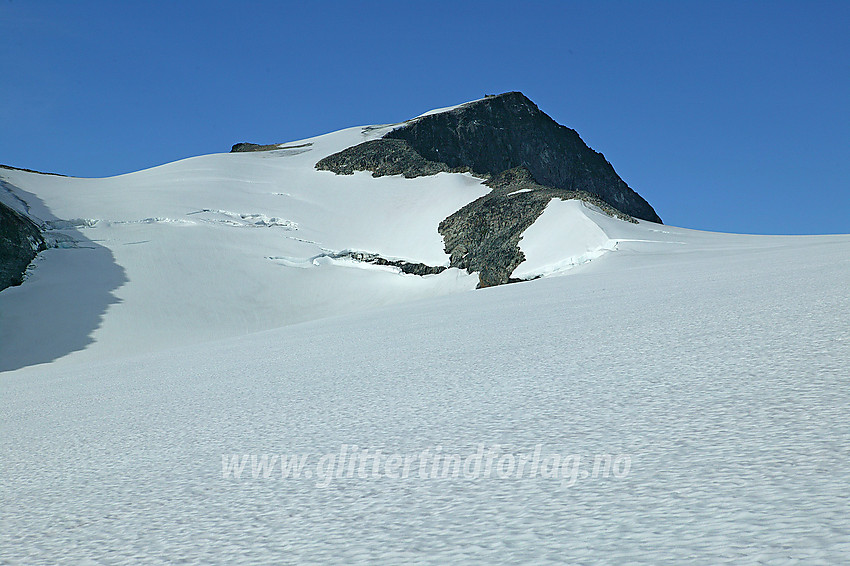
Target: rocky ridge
[247,146]
[411,268]
[384,157]
[243,147]
[484,235]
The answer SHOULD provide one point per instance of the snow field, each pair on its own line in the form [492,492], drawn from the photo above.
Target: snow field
[196,310]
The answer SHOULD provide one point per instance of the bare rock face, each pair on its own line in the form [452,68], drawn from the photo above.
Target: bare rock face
[502,132]
[20,241]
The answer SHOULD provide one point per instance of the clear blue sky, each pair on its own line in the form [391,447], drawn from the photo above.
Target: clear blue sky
[729,116]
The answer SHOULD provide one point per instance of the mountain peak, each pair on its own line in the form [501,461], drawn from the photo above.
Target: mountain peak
[504,131]
[527,159]
[487,137]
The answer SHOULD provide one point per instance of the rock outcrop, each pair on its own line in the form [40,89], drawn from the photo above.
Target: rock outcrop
[411,268]
[20,241]
[245,146]
[484,235]
[384,157]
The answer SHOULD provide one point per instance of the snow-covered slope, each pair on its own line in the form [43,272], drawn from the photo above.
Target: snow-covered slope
[194,311]
[220,245]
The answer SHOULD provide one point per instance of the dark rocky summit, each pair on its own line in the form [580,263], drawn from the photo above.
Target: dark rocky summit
[487,137]
[526,158]
[20,241]
[506,131]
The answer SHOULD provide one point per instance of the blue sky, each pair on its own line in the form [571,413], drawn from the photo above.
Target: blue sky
[728,116]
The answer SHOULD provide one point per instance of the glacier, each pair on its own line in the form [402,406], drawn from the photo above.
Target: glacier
[191,313]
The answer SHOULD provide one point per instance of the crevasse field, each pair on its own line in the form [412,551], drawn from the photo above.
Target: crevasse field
[659,395]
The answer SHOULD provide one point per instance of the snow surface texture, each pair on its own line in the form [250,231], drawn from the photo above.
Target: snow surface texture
[217,324]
